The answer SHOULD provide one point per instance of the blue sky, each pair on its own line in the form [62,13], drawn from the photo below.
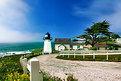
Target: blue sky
[57,17]
[29,20]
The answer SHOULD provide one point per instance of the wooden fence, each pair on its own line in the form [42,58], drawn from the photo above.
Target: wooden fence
[89,51]
[93,54]
[33,67]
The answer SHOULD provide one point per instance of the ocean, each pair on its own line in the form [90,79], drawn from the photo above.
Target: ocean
[16,47]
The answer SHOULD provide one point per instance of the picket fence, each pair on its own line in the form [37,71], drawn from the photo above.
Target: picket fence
[93,54]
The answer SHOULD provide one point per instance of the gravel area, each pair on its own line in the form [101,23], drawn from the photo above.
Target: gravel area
[81,70]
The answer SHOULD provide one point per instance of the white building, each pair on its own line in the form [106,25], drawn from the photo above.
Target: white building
[118,40]
[47,43]
[62,43]
[77,46]
[67,44]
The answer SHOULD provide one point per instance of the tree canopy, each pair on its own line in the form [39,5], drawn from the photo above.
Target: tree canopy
[115,36]
[97,31]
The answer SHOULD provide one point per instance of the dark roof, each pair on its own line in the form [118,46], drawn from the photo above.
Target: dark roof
[102,44]
[75,40]
[76,43]
[62,41]
[47,36]
[47,33]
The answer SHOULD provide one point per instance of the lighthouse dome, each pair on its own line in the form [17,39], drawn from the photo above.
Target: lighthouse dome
[47,36]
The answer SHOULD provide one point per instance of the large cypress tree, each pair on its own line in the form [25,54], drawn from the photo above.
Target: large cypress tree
[93,33]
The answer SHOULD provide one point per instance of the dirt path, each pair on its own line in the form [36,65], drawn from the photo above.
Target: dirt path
[81,70]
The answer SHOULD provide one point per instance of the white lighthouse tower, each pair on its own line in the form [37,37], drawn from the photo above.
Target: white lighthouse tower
[47,43]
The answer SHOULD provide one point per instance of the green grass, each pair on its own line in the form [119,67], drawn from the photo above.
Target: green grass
[112,58]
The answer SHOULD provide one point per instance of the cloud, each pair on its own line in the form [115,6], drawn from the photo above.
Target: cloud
[13,21]
[16,36]
[100,10]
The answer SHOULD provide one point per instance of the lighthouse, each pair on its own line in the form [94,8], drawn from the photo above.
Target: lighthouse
[47,43]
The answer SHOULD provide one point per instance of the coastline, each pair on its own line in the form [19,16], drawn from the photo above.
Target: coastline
[14,53]
[8,49]
[20,48]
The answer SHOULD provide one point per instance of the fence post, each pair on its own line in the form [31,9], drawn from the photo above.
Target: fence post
[24,64]
[63,55]
[93,55]
[68,55]
[74,55]
[107,56]
[35,74]
[83,56]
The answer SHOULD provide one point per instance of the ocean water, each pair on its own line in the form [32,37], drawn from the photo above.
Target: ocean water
[14,47]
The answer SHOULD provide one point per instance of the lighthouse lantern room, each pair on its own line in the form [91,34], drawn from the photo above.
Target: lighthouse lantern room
[47,43]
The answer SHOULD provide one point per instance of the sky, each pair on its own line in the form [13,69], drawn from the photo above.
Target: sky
[29,20]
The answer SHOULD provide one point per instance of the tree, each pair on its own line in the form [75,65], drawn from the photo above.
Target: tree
[115,36]
[93,33]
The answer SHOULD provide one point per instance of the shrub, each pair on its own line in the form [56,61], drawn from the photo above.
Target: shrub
[70,78]
[55,51]
[48,77]
[110,48]
[40,51]
[17,77]
[37,51]
[31,55]
[9,64]
[116,48]
[93,48]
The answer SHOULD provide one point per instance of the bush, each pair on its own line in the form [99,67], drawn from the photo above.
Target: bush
[48,77]
[70,78]
[93,48]
[55,51]
[110,48]
[40,51]
[17,77]
[31,55]
[116,48]
[9,64]
[37,51]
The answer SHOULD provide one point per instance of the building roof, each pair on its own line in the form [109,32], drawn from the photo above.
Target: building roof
[102,44]
[62,41]
[77,43]
[78,39]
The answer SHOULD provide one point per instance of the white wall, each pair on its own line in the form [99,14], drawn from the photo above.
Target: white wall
[67,46]
[118,40]
[47,46]
[61,47]
[81,47]
[56,46]
[74,47]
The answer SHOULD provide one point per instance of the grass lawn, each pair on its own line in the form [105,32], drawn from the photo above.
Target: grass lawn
[111,58]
